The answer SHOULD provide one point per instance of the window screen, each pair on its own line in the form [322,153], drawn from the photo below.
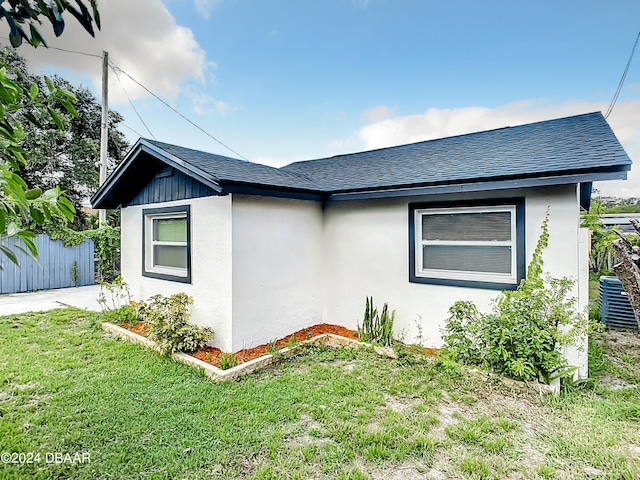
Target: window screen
[467,226]
[467,243]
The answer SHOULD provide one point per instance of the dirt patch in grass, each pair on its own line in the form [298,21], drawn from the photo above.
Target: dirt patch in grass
[621,340]
[622,351]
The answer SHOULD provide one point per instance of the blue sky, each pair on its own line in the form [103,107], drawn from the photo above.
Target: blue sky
[281,81]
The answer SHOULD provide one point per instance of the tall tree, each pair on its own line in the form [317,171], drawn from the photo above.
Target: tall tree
[67,158]
[19,205]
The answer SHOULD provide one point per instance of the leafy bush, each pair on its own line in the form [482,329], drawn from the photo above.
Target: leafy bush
[520,337]
[168,318]
[376,327]
[227,361]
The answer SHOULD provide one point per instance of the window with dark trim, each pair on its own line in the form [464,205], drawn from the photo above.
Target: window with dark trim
[166,243]
[473,244]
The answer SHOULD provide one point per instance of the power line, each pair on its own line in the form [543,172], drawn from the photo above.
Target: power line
[75,51]
[624,75]
[66,50]
[180,114]
[134,131]
[115,68]
[131,103]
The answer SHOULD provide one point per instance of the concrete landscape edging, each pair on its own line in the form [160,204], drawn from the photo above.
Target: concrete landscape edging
[215,373]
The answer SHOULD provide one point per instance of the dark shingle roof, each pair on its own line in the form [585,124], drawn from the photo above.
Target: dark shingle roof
[581,145]
[227,169]
[554,147]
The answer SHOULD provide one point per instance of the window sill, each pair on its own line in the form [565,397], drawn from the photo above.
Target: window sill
[166,276]
[463,283]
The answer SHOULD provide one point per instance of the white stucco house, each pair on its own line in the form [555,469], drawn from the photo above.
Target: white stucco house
[266,251]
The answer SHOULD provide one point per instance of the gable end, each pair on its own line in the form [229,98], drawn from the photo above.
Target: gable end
[169,184]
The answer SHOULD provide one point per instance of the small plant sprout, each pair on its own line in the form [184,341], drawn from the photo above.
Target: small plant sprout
[118,294]
[227,361]
[74,273]
[272,348]
[420,335]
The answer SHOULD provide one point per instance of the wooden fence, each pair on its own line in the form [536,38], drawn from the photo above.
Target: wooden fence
[53,268]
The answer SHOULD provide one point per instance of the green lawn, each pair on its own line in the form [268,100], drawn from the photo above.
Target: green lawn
[68,387]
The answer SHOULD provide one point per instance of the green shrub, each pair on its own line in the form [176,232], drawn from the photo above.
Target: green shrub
[521,336]
[377,328]
[168,318]
[227,361]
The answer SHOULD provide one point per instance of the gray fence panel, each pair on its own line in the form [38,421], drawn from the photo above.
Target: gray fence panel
[52,268]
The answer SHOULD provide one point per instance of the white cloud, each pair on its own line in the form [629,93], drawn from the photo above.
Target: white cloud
[142,38]
[438,123]
[204,104]
[377,113]
[205,7]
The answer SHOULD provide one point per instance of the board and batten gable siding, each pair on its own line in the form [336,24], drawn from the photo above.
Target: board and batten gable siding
[210,286]
[169,184]
[277,267]
[366,253]
[51,269]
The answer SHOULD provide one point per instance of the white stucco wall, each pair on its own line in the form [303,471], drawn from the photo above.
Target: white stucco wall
[264,267]
[366,252]
[277,248]
[210,263]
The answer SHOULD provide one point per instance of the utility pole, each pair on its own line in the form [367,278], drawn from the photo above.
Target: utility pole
[104,128]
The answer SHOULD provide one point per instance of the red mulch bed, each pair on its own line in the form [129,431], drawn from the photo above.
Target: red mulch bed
[211,355]
[140,328]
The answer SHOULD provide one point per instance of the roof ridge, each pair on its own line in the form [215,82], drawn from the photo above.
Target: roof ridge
[404,145]
[158,143]
[280,170]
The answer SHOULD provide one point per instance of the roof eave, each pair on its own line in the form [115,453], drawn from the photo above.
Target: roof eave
[620,173]
[272,191]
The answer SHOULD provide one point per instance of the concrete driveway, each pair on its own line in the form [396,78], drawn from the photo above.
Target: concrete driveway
[81,297]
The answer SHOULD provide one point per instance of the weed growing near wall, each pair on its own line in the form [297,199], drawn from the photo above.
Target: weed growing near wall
[116,304]
[520,338]
[227,361]
[377,328]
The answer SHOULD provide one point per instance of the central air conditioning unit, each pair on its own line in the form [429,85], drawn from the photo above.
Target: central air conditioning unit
[615,309]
